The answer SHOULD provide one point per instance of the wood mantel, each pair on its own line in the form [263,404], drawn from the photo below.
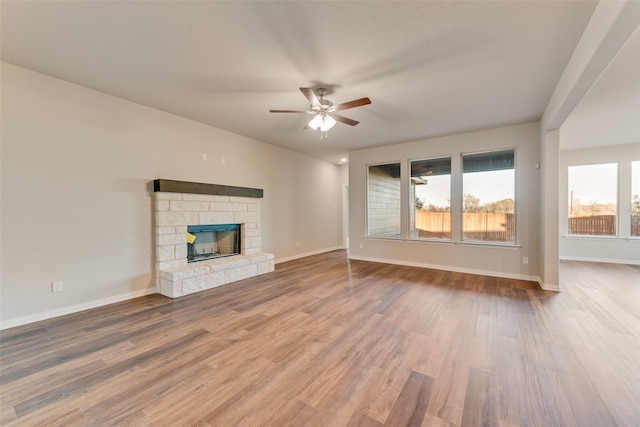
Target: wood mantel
[170,186]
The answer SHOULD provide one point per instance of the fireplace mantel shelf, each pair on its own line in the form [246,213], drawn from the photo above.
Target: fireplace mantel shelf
[170,186]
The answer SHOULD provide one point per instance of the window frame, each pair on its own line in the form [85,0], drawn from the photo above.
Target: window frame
[514,242]
[367,182]
[618,218]
[632,162]
[412,203]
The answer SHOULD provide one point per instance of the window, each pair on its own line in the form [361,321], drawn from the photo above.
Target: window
[488,187]
[592,201]
[430,199]
[383,200]
[635,198]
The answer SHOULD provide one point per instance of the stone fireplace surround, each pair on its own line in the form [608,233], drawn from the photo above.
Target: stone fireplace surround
[178,204]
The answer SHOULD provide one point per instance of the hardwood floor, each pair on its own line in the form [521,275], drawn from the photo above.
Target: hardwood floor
[324,341]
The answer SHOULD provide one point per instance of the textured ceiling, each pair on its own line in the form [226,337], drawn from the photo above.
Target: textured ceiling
[430,68]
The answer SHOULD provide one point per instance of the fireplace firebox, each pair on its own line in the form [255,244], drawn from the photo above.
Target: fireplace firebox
[212,241]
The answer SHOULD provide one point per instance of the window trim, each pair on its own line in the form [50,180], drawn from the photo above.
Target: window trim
[456,219]
[408,216]
[618,234]
[366,211]
[515,242]
[630,195]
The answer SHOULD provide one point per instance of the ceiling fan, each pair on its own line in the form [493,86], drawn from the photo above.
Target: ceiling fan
[324,110]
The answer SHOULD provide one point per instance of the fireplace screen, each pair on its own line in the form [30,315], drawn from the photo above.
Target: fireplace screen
[212,241]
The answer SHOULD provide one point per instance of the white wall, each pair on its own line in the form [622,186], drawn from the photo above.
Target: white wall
[610,27]
[344,184]
[485,259]
[548,245]
[76,196]
[620,249]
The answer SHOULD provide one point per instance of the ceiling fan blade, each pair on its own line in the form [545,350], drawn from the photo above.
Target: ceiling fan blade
[345,120]
[291,111]
[352,104]
[310,95]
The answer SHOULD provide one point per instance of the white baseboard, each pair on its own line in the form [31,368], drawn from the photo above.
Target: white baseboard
[24,320]
[607,260]
[306,254]
[549,286]
[450,268]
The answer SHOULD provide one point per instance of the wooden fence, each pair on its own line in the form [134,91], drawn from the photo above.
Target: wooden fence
[493,227]
[497,227]
[595,225]
[433,225]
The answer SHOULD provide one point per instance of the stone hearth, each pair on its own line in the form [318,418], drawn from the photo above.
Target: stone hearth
[176,208]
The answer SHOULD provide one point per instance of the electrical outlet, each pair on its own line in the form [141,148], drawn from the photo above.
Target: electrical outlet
[223,160]
[298,244]
[361,245]
[56,286]
[525,260]
[204,156]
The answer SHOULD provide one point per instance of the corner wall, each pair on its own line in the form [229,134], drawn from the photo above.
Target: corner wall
[504,261]
[76,176]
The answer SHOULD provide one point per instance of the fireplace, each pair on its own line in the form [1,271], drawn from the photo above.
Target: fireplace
[197,222]
[212,241]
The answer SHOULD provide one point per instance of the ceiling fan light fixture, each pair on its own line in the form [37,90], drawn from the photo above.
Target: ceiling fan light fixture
[322,121]
[316,122]
[327,123]
[323,110]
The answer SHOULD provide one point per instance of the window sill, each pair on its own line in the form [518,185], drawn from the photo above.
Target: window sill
[427,240]
[384,237]
[450,242]
[586,237]
[492,244]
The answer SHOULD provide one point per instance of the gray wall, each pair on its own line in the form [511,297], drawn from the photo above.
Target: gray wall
[76,203]
[488,259]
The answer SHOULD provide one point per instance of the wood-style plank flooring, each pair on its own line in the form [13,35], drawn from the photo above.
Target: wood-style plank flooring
[324,341]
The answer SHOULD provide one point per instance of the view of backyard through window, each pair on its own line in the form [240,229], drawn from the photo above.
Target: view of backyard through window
[593,195]
[431,198]
[488,199]
[488,205]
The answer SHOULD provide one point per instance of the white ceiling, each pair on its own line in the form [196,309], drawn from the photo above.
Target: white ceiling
[430,68]
[609,114]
